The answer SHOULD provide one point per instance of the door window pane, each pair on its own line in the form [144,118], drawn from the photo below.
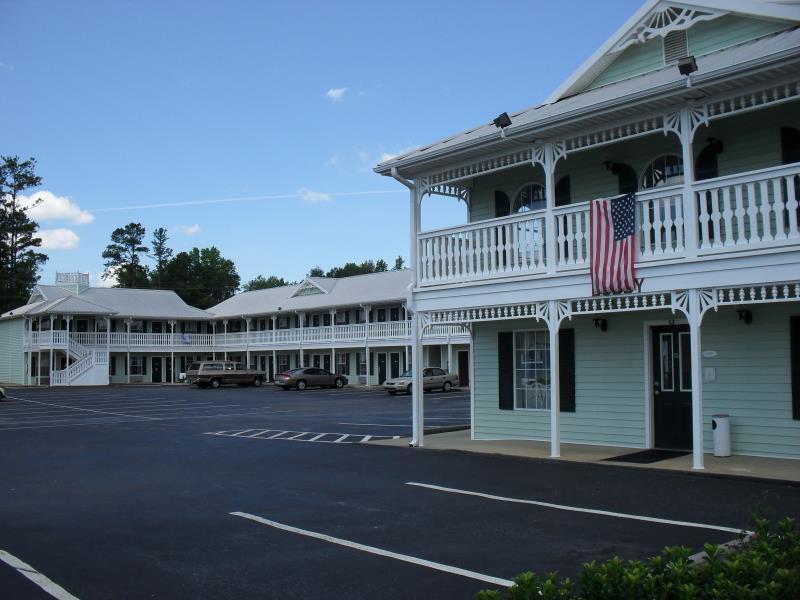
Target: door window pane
[665,346]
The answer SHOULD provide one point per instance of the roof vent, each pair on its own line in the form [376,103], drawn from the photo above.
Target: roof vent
[73,282]
[675,46]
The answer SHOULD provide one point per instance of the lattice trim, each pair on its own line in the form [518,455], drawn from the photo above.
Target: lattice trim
[752,100]
[664,19]
[497,162]
[610,135]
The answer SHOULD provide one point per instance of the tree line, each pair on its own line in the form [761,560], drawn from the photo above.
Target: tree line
[202,277]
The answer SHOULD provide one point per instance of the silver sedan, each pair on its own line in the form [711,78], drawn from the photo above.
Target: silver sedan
[433,378]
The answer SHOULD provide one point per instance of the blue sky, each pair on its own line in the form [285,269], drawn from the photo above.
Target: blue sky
[135,104]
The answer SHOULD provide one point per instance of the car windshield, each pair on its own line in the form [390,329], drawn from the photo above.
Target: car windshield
[194,366]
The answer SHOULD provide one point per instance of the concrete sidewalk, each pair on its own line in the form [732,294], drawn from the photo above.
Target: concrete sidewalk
[743,466]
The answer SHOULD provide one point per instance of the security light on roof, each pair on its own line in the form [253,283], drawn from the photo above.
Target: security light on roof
[502,120]
[687,65]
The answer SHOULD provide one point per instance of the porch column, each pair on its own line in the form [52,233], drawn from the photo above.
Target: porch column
[690,213]
[39,354]
[213,340]
[69,340]
[225,340]
[550,194]
[555,401]
[274,364]
[172,351]
[417,389]
[333,323]
[128,353]
[471,384]
[52,350]
[449,355]
[301,321]
[695,318]
[247,339]
[367,360]
[405,348]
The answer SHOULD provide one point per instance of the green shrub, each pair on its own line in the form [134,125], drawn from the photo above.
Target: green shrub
[765,565]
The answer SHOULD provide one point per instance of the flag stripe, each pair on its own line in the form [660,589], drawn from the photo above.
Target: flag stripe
[611,247]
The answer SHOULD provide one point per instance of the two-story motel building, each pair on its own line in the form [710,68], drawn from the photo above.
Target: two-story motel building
[695,106]
[73,334]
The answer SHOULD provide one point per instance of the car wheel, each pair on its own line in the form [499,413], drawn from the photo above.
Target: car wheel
[339,383]
[257,382]
[447,386]
[301,385]
[215,383]
[408,389]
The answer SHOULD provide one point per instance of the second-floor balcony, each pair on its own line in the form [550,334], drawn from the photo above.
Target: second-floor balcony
[710,219]
[390,332]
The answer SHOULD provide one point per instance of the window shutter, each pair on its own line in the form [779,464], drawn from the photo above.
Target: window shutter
[502,206]
[794,336]
[566,369]
[505,370]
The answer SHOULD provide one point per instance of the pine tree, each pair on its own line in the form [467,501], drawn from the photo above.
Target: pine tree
[19,258]
[123,256]
[161,254]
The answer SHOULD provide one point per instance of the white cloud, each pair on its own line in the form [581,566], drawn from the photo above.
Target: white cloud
[189,229]
[390,155]
[59,239]
[336,94]
[313,197]
[96,279]
[6,67]
[55,208]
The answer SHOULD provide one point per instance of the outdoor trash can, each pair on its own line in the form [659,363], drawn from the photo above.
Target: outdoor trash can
[721,427]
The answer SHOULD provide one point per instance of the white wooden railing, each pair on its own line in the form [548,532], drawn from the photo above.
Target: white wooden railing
[389,330]
[751,210]
[731,213]
[499,247]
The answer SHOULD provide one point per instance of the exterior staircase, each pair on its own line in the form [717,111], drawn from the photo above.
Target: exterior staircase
[90,367]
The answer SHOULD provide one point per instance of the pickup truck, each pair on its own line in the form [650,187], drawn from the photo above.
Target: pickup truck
[214,373]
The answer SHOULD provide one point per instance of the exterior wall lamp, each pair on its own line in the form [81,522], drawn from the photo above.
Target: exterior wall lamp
[600,324]
[745,315]
[687,65]
[502,121]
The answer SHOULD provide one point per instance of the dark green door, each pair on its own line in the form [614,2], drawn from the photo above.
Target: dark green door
[381,368]
[156,369]
[672,387]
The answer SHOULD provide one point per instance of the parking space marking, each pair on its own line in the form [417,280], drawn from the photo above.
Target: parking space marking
[591,511]
[76,408]
[300,436]
[47,584]
[378,551]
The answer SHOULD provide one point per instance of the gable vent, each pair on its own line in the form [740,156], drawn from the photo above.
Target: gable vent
[675,46]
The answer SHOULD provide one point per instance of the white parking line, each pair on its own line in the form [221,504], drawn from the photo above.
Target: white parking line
[82,409]
[591,511]
[379,551]
[48,585]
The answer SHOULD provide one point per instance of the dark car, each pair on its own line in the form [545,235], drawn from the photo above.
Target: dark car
[309,377]
[214,373]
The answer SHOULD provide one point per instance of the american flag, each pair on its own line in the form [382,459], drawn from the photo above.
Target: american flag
[612,241]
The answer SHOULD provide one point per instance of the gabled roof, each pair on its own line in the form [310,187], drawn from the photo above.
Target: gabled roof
[72,305]
[313,285]
[712,67]
[657,18]
[374,288]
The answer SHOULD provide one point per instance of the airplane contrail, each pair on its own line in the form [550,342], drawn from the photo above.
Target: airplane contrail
[240,199]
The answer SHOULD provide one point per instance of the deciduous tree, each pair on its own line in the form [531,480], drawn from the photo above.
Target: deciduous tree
[263,283]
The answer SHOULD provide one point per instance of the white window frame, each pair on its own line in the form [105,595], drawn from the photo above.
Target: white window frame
[547,396]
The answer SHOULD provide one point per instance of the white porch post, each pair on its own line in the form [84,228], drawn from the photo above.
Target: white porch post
[417,389]
[274,364]
[301,320]
[405,348]
[550,194]
[128,353]
[213,340]
[366,343]
[52,350]
[69,338]
[555,400]
[27,329]
[225,340]
[690,213]
[471,384]
[108,345]
[695,319]
[247,339]
[39,353]
[172,351]
[333,347]
[449,355]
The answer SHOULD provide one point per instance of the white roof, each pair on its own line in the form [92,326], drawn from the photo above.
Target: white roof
[121,302]
[374,288]
[535,119]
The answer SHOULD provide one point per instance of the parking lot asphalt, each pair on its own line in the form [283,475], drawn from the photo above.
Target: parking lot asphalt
[175,492]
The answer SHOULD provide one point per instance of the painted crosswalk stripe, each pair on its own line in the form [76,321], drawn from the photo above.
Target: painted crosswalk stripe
[304,436]
[378,551]
[48,585]
[591,511]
